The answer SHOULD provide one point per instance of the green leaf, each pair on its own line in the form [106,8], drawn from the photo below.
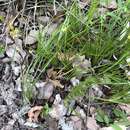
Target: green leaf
[2,49]
[1,18]
[106,119]
[120,114]
[116,127]
[99,118]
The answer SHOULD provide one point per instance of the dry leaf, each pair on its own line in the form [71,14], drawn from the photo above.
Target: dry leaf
[56,83]
[34,113]
[65,56]
[51,73]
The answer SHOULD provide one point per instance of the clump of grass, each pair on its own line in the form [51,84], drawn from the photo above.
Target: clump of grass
[29,90]
[98,38]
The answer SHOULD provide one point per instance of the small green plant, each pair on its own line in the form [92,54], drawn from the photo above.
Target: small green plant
[102,117]
[116,127]
[1,18]
[28,88]
[2,49]
[98,37]
[45,110]
[120,115]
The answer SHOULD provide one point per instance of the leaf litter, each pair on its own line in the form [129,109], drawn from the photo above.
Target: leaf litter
[17,37]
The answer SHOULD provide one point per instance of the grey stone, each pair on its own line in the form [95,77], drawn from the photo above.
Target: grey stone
[31,38]
[45,90]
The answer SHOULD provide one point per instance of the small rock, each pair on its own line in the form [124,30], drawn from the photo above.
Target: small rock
[3,109]
[74,81]
[58,109]
[92,124]
[18,85]
[52,28]
[57,99]
[40,84]
[6,60]
[83,3]
[16,53]
[9,40]
[45,90]
[81,112]
[44,19]
[31,124]
[16,69]
[18,42]
[31,38]
[52,124]
[111,4]
[12,53]
[64,125]
[76,122]
[97,91]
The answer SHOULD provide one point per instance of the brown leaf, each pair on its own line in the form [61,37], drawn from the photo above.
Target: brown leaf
[56,83]
[34,113]
[65,56]
[51,73]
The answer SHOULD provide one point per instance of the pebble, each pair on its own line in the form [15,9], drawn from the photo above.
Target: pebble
[9,40]
[45,90]
[74,81]
[31,38]
[16,52]
[52,28]
[58,109]
[44,19]
[91,124]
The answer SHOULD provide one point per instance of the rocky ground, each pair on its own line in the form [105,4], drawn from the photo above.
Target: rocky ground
[46,110]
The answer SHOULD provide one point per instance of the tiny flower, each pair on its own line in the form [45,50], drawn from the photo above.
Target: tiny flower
[128,75]
[128,61]
[64,29]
